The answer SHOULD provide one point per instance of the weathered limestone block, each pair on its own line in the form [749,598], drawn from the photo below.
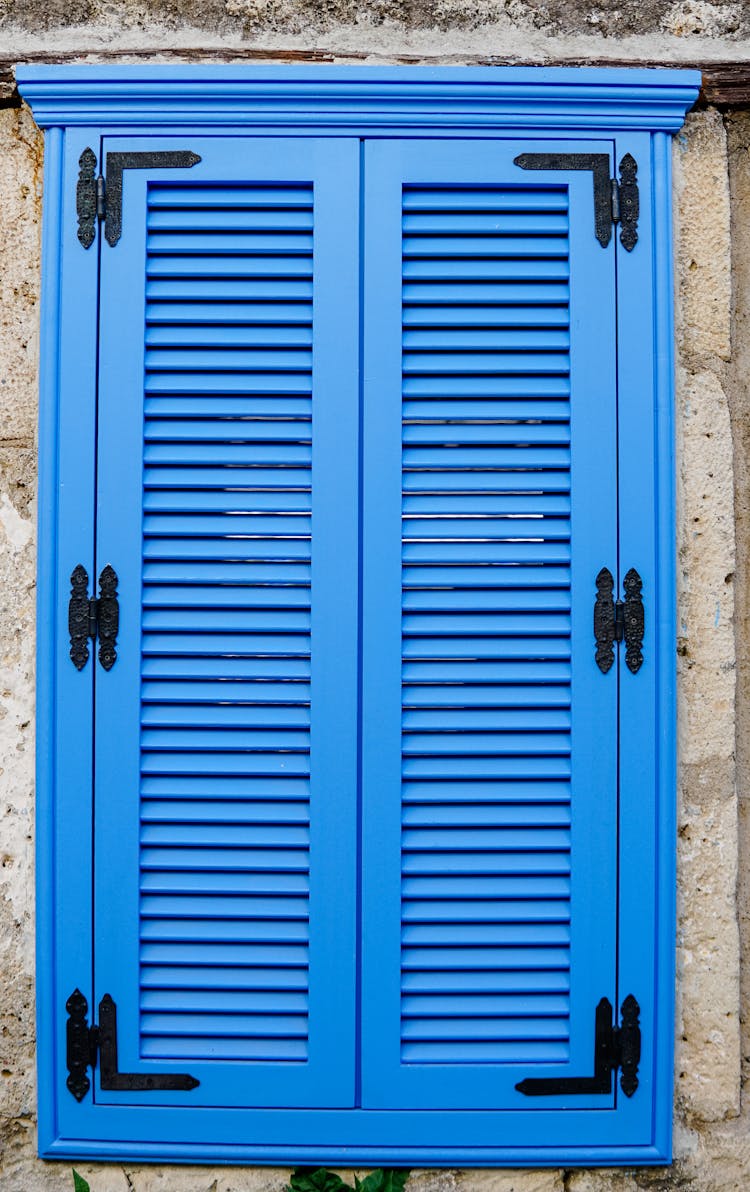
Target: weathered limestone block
[17,592]
[738,387]
[20,210]
[706,569]
[708,1040]
[708,1043]
[497,1181]
[703,273]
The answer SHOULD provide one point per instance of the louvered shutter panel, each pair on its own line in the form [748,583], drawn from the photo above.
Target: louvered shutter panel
[225,756]
[489,763]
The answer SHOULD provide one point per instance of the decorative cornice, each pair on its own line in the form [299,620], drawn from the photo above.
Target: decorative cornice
[361,97]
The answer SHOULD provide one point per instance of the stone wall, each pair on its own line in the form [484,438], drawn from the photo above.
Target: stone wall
[712,224]
[686,30]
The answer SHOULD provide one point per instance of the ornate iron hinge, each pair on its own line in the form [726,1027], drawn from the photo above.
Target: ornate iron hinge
[100,197]
[614,202]
[614,1047]
[91,617]
[618,620]
[87,1043]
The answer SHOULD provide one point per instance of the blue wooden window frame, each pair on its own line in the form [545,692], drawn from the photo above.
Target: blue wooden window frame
[635,110]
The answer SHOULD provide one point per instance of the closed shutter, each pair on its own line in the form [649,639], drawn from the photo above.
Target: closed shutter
[489,909]
[225,754]
[355,832]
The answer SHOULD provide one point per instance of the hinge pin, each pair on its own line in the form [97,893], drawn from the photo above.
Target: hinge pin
[615,201]
[93,617]
[619,620]
[100,198]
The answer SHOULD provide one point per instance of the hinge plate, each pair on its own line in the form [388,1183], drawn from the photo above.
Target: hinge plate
[108,617]
[79,617]
[86,1043]
[81,1045]
[86,193]
[92,617]
[176,159]
[100,198]
[598,163]
[629,202]
[604,620]
[619,620]
[614,1047]
[614,202]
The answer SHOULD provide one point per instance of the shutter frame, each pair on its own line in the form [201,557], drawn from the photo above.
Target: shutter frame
[430,1073]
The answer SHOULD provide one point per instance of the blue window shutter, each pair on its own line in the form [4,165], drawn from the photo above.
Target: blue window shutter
[225,756]
[490,793]
[396,885]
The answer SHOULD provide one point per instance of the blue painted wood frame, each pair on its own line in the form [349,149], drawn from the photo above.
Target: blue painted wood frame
[66,527]
[637,110]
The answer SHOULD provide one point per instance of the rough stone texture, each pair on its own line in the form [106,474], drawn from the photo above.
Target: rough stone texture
[708,943]
[725,19]
[738,129]
[677,30]
[712,187]
[20,190]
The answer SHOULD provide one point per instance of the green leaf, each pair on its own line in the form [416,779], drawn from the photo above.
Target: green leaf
[316,1179]
[319,1179]
[372,1182]
[384,1179]
[79,1183]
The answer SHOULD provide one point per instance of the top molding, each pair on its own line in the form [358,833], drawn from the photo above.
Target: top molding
[375,99]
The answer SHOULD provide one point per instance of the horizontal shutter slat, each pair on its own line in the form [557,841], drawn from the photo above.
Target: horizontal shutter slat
[480,1005]
[222,786]
[464,199]
[231,1000]
[188,906]
[166,239]
[246,216]
[522,789]
[246,717]
[477,910]
[250,1048]
[256,317]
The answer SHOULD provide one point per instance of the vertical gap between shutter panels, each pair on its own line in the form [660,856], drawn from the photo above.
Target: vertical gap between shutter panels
[360,634]
[485,625]
[95,993]
[618,591]
[226,643]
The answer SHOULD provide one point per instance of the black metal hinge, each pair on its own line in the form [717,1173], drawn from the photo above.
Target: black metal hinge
[614,1047]
[92,617]
[86,1044]
[615,202]
[99,198]
[619,620]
